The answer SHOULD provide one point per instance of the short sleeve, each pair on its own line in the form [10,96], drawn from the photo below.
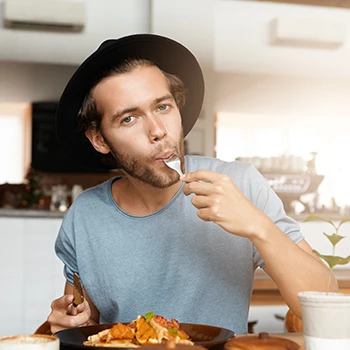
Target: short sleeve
[65,250]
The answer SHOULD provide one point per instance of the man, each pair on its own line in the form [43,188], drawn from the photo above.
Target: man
[146,240]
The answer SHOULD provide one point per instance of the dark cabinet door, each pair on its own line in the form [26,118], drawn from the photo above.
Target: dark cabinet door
[47,155]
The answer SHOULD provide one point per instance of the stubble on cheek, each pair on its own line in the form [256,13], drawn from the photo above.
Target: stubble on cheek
[142,167]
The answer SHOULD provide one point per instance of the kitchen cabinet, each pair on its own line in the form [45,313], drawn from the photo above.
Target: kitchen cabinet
[30,273]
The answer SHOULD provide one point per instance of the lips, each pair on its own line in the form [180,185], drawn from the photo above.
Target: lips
[163,156]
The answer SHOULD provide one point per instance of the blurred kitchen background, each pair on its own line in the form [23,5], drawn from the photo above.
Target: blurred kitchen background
[277,95]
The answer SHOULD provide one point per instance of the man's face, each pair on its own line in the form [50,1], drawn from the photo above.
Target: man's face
[141,124]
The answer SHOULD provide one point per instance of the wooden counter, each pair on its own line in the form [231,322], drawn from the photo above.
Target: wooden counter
[265,291]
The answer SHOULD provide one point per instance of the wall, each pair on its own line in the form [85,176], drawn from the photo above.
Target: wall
[245,39]
[183,21]
[28,82]
[282,96]
[113,19]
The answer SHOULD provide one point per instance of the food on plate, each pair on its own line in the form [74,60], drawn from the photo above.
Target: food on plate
[145,333]
[147,329]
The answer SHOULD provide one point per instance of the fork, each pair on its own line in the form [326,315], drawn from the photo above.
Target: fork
[175,164]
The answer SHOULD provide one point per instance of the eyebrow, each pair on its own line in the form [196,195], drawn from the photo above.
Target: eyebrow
[165,97]
[119,113]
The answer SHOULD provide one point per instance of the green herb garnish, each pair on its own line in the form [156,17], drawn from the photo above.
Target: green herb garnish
[149,315]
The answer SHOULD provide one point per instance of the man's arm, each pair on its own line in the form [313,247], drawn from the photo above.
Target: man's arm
[293,267]
[64,315]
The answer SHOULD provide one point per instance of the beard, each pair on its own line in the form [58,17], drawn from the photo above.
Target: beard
[141,167]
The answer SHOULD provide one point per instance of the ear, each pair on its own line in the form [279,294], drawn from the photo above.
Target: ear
[97,141]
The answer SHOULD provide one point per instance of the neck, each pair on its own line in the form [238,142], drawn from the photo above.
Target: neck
[138,198]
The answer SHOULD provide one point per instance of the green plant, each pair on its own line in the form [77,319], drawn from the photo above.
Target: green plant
[334,238]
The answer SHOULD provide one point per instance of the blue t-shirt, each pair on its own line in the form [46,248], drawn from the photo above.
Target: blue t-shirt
[169,262]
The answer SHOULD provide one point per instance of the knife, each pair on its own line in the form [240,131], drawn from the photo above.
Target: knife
[78,291]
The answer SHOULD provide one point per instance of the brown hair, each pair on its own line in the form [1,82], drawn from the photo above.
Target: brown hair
[89,117]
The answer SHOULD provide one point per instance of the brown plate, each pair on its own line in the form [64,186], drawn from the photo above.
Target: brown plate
[210,337]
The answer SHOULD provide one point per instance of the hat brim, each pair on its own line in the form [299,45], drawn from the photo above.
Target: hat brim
[167,54]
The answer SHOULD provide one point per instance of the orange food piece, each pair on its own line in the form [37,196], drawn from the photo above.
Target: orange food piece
[163,322]
[172,327]
[182,334]
[145,333]
[121,331]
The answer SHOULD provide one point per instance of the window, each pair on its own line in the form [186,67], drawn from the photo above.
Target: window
[14,141]
[256,135]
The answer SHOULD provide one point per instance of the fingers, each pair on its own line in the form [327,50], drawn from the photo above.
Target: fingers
[200,202]
[205,214]
[214,195]
[201,175]
[64,315]
[61,304]
[199,188]
[84,306]
[209,183]
[72,310]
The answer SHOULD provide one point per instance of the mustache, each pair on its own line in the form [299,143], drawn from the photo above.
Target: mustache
[165,146]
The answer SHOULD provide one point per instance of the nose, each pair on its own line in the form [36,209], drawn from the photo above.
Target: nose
[156,127]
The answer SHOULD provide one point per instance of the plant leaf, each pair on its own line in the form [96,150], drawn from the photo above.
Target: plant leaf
[333,260]
[334,238]
[149,315]
[318,218]
[343,222]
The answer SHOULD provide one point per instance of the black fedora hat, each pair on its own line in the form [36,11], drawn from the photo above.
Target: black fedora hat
[167,54]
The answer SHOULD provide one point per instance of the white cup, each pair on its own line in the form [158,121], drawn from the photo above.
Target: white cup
[326,320]
[30,342]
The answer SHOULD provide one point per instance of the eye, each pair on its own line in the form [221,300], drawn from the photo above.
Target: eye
[128,119]
[163,107]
